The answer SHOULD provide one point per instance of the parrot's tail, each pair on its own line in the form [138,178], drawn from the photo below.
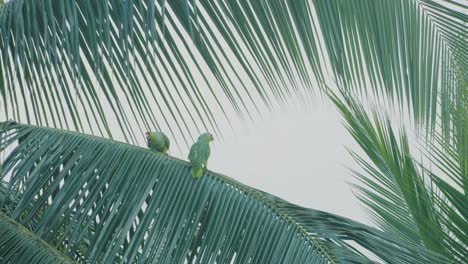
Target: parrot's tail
[197,171]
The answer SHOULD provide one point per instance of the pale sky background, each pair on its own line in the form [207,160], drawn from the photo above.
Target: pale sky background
[298,155]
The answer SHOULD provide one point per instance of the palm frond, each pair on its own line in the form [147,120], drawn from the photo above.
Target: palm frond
[3,197]
[456,146]
[106,202]
[182,66]
[450,183]
[19,245]
[403,197]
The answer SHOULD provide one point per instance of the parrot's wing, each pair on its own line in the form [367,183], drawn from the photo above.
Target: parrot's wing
[204,152]
[194,155]
[199,153]
[166,141]
[196,160]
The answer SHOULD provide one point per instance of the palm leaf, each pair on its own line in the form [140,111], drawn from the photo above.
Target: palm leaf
[102,201]
[19,245]
[182,66]
[403,197]
[450,181]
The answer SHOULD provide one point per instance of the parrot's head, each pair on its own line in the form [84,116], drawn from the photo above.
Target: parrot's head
[148,135]
[206,137]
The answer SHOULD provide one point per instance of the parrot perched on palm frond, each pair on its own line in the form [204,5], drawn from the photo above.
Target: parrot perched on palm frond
[199,154]
[157,142]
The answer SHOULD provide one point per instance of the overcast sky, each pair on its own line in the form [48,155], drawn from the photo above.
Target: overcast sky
[297,154]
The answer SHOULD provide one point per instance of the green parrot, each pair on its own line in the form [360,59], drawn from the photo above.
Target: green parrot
[157,142]
[199,154]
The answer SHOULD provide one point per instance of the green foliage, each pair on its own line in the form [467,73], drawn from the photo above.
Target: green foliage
[19,245]
[172,65]
[102,201]
[405,198]
[155,63]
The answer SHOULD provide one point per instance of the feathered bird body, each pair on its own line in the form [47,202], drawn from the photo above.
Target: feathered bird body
[157,142]
[199,154]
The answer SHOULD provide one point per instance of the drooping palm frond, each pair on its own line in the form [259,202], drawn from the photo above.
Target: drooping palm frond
[456,147]
[449,156]
[19,245]
[450,197]
[183,65]
[403,197]
[102,201]
[410,51]
[3,197]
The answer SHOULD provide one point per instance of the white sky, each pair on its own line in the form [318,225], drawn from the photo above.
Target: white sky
[298,155]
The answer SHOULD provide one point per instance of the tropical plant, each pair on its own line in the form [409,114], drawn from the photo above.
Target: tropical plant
[404,197]
[174,65]
[102,201]
[19,245]
[71,59]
